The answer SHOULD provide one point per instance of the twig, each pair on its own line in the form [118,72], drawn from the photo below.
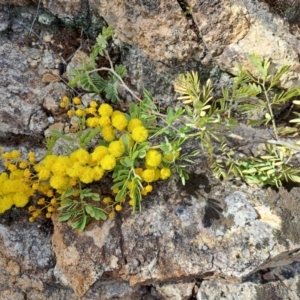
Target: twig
[36,14]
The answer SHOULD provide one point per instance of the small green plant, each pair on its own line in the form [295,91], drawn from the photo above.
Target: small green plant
[131,151]
[212,120]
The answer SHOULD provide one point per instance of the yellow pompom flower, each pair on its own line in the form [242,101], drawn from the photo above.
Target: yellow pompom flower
[87,175]
[149,188]
[75,170]
[116,148]
[61,164]
[165,173]
[23,164]
[79,112]
[106,200]
[72,182]
[35,186]
[104,121]
[43,174]
[93,104]
[105,110]
[76,101]
[27,173]
[49,160]
[118,207]
[153,158]
[6,202]
[91,110]
[70,113]
[98,153]
[118,120]
[111,215]
[49,193]
[140,134]
[92,122]
[20,199]
[17,174]
[15,154]
[148,175]
[7,155]
[62,104]
[108,162]
[11,167]
[133,123]
[80,155]
[65,99]
[108,133]
[59,182]
[41,201]
[97,173]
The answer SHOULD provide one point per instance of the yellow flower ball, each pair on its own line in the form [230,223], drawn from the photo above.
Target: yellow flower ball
[119,121]
[165,173]
[80,155]
[7,155]
[153,158]
[97,173]
[106,200]
[79,112]
[87,175]
[133,123]
[92,122]
[140,134]
[118,207]
[43,173]
[116,148]
[104,121]
[59,182]
[148,175]
[108,162]
[149,188]
[93,104]
[65,99]
[76,101]
[111,215]
[98,153]
[105,110]
[20,199]
[91,110]
[70,113]
[108,133]
[23,164]
[15,154]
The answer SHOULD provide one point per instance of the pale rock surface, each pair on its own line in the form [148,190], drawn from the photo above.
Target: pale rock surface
[158,28]
[233,29]
[22,90]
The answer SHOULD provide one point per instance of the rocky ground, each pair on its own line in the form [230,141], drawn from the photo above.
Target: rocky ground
[207,240]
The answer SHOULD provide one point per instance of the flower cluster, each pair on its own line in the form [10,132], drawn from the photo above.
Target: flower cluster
[115,128]
[16,184]
[123,146]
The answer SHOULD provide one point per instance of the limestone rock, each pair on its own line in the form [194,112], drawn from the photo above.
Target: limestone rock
[64,9]
[158,28]
[177,237]
[232,30]
[15,2]
[22,90]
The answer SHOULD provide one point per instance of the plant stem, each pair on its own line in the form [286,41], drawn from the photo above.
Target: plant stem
[270,111]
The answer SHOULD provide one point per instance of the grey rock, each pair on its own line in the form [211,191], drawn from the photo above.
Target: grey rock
[4,18]
[46,19]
